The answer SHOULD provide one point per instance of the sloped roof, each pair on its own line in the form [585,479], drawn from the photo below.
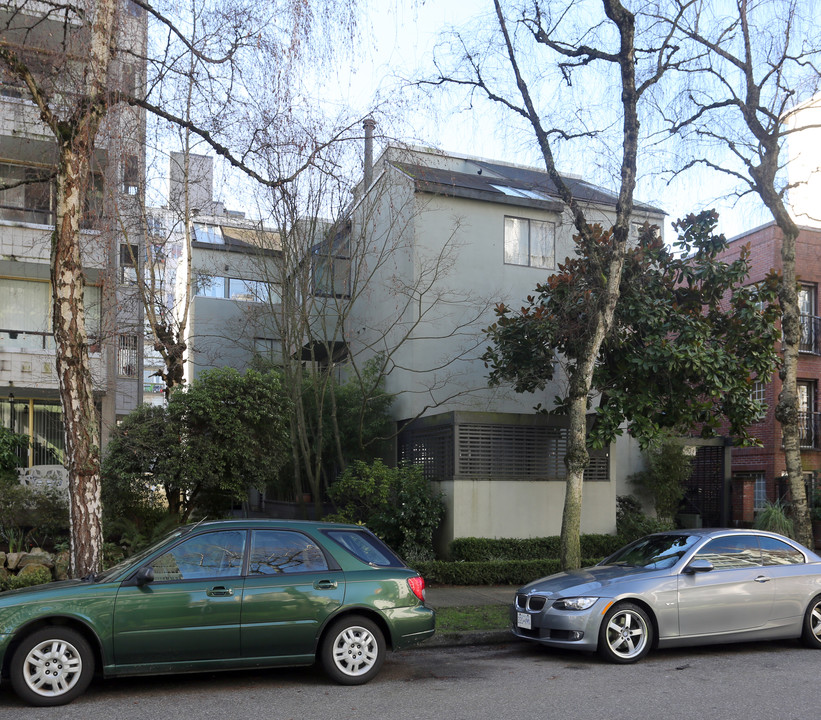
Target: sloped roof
[510,185]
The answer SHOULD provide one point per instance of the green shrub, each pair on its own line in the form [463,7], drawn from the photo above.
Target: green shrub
[774,518]
[668,468]
[632,523]
[494,572]
[544,548]
[30,515]
[10,445]
[38,576]
[396,503]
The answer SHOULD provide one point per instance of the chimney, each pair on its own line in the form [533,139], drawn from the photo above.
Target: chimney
[369,124]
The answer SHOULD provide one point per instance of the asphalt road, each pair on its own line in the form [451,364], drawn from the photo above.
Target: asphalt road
[501,682]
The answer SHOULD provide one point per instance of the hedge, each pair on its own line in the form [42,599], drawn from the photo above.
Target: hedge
[492,572]
[545,548]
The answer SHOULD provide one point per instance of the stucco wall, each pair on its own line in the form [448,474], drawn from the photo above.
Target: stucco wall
[520,509]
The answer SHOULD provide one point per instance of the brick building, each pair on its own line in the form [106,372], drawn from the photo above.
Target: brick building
[758,473]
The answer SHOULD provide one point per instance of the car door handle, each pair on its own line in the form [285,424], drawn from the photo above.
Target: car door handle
[762,579]
[219,591]
[325,585]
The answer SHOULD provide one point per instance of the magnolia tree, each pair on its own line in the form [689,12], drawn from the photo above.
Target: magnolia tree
[539,53]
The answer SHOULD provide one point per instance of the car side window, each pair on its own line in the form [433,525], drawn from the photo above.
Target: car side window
[776,552]
[732,552]
[365,547]
[210,555]
[281,551]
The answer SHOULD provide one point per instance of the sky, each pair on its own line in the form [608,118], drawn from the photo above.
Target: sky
[399,41]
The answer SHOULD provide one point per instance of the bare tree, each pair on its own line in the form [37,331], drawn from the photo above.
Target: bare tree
[67,78]
[749,65]
[344,312]
[72,110]
[537,39]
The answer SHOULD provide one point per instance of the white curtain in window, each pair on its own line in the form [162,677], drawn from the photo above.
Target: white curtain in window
[542,241]
[516,250]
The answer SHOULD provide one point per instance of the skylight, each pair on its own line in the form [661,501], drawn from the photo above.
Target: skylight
[519,192]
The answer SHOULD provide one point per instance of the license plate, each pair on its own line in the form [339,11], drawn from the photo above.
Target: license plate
[523,621]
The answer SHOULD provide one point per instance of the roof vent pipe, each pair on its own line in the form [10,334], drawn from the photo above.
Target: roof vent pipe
[369,124]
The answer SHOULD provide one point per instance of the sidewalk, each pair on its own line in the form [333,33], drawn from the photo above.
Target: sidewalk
[466,595]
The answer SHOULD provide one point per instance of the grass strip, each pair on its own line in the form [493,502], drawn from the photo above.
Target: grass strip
[467,618]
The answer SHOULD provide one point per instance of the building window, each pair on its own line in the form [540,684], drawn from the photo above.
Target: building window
[758,393]
[129,257]
[127,356]
[211,234]
[42,422]
[331,277]
[93,203]
[29,196]
[215,286]
[155,226]
[269,348]
[131,175]
[248,290]
[808,310]
[530,242]
[212,286]
[25,313]
[760,496]
[807,417]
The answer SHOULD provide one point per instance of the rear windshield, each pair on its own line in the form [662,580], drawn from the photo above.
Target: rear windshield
[365,547]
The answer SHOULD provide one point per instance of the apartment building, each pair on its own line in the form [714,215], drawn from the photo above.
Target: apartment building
[436,240]
[111,240]
[215,272]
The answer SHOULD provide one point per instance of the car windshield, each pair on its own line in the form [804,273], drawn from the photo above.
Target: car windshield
[653,551]
[135,560]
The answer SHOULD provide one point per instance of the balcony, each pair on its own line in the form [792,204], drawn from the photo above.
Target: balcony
[810,430]
[810,334]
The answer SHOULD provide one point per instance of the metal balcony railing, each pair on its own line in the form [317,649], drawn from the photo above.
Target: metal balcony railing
[810,334]
[810,430]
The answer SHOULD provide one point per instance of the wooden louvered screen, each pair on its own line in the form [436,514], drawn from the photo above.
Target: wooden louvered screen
[511,451]
[493,451]
[432,448]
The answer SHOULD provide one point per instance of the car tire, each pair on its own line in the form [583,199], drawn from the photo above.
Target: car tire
[626,634]
[353,650]
[811,629]
[52,666]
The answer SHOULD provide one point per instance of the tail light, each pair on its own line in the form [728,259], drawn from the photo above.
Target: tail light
[417,586]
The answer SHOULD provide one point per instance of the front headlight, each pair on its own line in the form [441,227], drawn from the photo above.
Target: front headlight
[575,603]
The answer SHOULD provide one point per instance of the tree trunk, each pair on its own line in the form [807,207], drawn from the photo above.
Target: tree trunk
[76,388]
[576,461]
[75,138]
[786,411]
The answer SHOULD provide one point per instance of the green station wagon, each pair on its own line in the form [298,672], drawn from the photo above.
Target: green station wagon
[218,596]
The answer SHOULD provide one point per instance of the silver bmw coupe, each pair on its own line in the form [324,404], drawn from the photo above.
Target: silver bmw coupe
[687,587]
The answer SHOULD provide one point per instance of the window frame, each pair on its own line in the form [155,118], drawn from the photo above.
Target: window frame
[550,261]
[240,573]
[254,532]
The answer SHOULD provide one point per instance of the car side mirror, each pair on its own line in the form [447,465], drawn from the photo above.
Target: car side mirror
[144,575]
[698,565]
